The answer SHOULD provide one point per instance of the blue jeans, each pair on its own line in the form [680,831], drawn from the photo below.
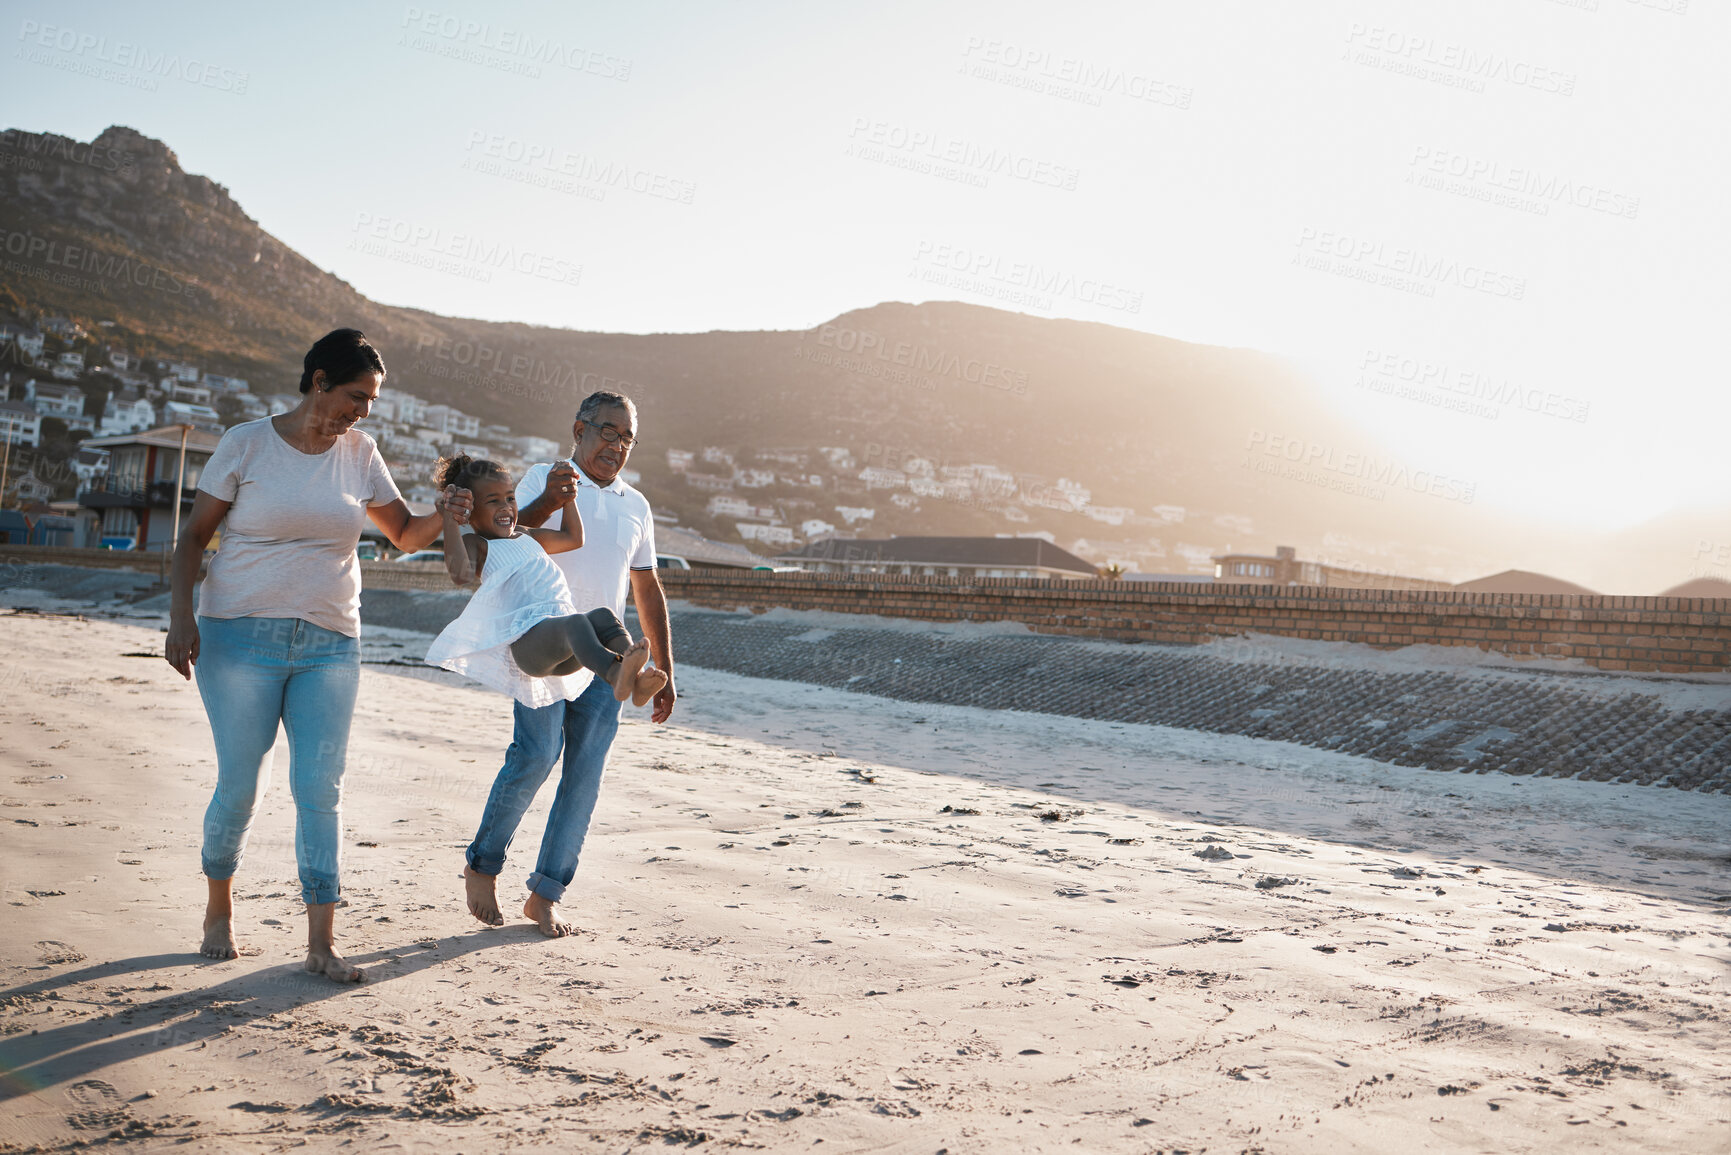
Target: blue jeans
[252,674]
[585,728]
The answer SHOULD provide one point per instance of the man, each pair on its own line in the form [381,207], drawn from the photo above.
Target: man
[618,547]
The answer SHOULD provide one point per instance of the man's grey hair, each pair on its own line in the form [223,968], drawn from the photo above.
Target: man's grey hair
[604,399]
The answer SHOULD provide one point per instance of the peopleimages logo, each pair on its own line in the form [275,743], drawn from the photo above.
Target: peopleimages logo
[461,36]
[885,141]
[1482,177]
[1367,258]
[374,234]
[104,268]
[1070,76]
[1459,387]
[1427,58]
[987,273]
[99,50]
[60,148]
[579,167]
[1322,464]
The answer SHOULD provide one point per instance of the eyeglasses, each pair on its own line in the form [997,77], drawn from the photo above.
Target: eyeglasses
[612,436]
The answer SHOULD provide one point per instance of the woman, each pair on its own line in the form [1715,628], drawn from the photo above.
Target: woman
[278,618]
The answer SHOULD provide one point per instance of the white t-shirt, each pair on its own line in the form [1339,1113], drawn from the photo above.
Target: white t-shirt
[288,542]
[618,536]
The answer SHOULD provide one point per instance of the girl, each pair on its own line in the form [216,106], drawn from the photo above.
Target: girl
[521,632]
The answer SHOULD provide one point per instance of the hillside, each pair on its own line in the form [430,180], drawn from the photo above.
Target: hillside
[1184,449]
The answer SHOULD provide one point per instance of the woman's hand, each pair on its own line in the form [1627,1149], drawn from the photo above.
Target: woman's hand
[181,648]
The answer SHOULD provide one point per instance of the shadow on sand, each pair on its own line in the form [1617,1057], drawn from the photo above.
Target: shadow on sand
[71,1051]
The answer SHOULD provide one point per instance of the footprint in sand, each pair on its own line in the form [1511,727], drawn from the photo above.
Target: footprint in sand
[99,1106]
[56,953]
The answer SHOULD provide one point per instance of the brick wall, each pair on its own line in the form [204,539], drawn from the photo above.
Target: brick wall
[1674,635]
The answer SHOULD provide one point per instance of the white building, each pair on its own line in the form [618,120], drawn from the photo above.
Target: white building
[218,383]
[197,416]
[282,403]
[127,412]
[63,401]
[122,361]
[251,407]
[180,369]
[768,534]
[877,477]
[20,424]
[680,460]
[395,447]
[853,513]
[1109,514]
[185,392]
[753,478]
[537,448]
[816,527]
[451,422]
[726,506]
[715,455]
[28,340]
[395,405]
[89,464]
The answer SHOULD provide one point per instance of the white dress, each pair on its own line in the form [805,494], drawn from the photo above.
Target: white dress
[520,585]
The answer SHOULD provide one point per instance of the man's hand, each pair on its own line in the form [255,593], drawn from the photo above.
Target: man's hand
[458,503]
[561,483]
[664,703]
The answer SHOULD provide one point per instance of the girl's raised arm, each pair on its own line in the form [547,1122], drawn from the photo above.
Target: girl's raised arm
[568,536]
[464,554]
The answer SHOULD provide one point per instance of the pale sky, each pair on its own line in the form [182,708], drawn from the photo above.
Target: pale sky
[1510,205]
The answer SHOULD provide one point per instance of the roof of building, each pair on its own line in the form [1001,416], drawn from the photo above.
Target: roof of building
[18,407]
[163,436]
[694,547]
[970,551]
[1520,581]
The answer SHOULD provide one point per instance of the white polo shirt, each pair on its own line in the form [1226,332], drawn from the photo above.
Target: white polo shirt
[618,536]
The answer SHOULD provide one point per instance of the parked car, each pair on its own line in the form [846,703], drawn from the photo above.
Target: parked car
[670,561]
[424,555]
[368,551]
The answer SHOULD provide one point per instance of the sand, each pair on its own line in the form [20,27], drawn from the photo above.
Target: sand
[814,920]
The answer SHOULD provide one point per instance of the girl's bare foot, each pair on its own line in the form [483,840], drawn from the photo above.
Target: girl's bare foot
[218,937]
[649,684]
[323,961]
[322,956]
[545,915]
[219,919]
[623,676]
[483,896]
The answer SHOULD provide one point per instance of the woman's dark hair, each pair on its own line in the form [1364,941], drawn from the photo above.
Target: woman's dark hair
[343,354]
[462,469]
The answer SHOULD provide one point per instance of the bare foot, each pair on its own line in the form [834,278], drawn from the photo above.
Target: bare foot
[545,915]
[649,684]
[483,897]
[218,937]
[624,673]
[333,966]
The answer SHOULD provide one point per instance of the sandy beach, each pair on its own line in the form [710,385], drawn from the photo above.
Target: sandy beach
[816,920]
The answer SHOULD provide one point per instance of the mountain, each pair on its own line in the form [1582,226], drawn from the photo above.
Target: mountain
[1520,581]
[1185,450]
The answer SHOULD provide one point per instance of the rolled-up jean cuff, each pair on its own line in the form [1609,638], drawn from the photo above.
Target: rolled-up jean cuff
[321,892]
[482,865]
[221,872]
[547,888]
